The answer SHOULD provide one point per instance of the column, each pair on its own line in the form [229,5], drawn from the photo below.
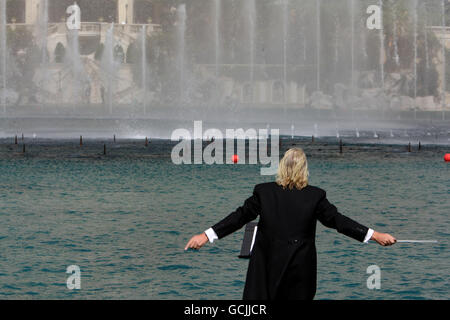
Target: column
[125,10]
[32,11]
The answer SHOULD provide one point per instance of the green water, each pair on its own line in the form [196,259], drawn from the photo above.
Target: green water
[124,219]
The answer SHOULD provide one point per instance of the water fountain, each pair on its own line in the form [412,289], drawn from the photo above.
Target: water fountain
[144,66]
[395,32]
[337,44]
[415,14]
[444,64]
[3,51]
[79,78]
[109,66]
[181,40]
[43,40]
[304,42]
[285,40]
[217,14]
[318,39]
[363,35]
[382,47]
[252,34]
[352,27]
[427,53]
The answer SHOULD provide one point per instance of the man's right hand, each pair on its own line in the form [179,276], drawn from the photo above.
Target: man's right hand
[383,239]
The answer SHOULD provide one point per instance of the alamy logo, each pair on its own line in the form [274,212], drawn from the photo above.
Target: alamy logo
[374,280]
[258,149]
[374,20]
[74,280]
[74,20]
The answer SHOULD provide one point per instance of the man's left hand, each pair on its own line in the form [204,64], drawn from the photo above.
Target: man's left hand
[197,242]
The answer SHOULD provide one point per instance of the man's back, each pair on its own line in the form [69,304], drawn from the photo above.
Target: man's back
[288,213]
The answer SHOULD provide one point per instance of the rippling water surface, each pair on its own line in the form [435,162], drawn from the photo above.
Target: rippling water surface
[124,219]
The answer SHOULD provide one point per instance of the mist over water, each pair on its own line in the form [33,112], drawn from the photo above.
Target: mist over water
[241,63]
[3,51]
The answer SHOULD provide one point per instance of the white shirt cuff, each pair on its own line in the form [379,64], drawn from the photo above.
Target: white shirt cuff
[368,235]
[211,234]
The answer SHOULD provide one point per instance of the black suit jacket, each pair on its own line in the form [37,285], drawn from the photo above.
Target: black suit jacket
[283,263]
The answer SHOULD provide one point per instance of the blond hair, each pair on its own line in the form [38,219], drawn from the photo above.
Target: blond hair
[293,169]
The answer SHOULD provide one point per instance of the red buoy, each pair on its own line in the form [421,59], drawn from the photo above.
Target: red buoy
[447,157]
[235,158]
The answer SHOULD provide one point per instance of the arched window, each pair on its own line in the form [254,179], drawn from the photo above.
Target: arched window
[60,53]
[247,93]
[278,92]
[119,54]
[99,52]
[132,55]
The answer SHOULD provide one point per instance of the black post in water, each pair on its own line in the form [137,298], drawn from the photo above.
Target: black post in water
[15,139]
[146,141]
[312,139]
[23,148]
[340,146]
[114,138]
[409,147]
[81,141]
[104,149]
[420,146]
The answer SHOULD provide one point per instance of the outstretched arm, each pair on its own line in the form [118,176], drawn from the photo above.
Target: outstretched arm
[233,222]
[329,216]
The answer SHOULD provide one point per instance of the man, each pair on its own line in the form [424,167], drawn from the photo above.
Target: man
[283,264]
